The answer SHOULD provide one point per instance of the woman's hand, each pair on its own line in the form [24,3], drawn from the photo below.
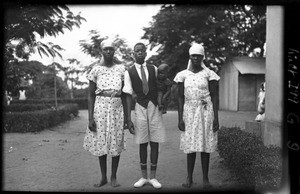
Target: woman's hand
[215,125]
[181,125]
[131,127]
[92,126]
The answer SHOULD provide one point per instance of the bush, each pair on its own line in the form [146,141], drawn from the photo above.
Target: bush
[254,164]
[81,102]
[26,107]
[33,121]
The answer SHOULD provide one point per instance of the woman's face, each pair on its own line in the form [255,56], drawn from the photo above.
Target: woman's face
[196,60]
[108,53]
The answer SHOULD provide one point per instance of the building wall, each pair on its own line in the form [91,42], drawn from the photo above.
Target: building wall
[228,87]
[223,93]
[238,92]
[274,76]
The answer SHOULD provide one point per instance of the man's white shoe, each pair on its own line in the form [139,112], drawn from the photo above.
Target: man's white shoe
[140,182]
[155,183]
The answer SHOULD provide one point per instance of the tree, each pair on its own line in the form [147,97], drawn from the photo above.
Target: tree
[28,70]
[224,30]
[250,23]
[92,47]
[23,23]
[72,74]
[42,78]
[44,87]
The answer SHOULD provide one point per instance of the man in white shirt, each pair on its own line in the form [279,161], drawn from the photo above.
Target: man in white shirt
[140,79]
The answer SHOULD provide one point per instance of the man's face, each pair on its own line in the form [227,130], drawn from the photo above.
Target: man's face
[140,53]
[108,53]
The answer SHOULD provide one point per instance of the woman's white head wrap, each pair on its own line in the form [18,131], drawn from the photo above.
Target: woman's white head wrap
[107,43]
[196,49]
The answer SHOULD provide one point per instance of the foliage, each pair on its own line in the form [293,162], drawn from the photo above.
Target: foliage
[72,74]
[92,48]
[28,70]
[81,93]
[22,24]
[26,107]
[225,30]
[81,102]
[33,121]
[43,86]
[255,165]
[42,78]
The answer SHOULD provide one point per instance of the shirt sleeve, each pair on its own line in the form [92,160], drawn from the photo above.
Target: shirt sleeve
[127,84]
[212,75]
[92,75]
[180,77]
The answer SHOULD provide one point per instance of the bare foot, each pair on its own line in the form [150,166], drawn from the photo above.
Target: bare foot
[188,183]
[114,183]
[207,185]
[102,182]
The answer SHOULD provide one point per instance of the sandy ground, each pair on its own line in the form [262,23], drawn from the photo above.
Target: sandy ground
[54,160]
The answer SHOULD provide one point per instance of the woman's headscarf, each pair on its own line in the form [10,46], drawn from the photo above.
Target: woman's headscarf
[197,49]
[106,43]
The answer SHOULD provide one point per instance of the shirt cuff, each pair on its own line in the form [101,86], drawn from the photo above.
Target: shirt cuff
[127,91]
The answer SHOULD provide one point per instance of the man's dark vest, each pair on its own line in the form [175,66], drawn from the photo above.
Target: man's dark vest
[137,86]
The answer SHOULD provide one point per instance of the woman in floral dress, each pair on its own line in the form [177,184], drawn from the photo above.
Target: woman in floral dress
[197,112]
[105,133]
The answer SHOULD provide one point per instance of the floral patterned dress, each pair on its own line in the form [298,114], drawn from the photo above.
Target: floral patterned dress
[198,112]
[108,113]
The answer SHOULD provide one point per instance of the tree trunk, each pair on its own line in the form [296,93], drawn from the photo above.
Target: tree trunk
[71,93]
[55,92]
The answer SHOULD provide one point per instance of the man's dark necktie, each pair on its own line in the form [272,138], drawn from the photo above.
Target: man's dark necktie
[144,80]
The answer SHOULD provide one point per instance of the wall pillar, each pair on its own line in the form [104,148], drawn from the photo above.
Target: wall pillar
[272,130]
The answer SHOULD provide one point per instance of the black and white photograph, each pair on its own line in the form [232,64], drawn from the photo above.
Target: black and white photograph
[150,97]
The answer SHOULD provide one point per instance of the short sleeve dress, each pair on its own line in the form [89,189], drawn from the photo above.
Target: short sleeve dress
[108,113]
[198,112]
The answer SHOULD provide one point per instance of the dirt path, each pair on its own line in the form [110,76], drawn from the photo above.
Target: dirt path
[54,160]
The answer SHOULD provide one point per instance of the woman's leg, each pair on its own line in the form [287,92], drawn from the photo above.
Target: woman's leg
[103,169]
[114,168]
[205,166]
[191,158]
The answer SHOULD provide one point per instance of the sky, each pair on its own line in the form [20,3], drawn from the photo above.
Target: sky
[127,21]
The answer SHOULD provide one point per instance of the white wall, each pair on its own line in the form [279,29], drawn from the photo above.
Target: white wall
[274,75]
[228,87]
